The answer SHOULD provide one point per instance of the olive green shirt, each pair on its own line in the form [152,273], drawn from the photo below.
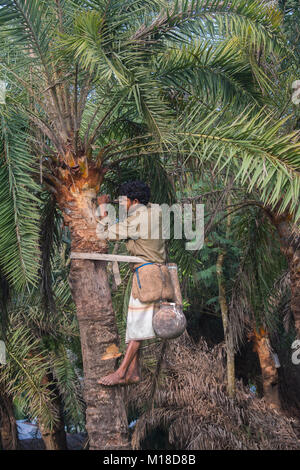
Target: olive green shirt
[143,230]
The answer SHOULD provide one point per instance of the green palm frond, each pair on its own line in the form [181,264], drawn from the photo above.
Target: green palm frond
[210,72]
[252,21]
[5,293]
[261,265]
[127,68]
[19,215]
[69,386]
[252,145]
[43,356]
[49,241]
[28,23]
[110,41]
[27,366]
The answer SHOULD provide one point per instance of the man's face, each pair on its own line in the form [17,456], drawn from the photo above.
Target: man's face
[126,202]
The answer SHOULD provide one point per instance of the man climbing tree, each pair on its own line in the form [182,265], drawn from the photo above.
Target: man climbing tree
[143,229]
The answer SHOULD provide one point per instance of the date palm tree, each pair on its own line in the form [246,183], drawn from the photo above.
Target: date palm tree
[91,84]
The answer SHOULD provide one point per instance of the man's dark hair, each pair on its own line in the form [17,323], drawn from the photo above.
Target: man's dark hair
[136,190]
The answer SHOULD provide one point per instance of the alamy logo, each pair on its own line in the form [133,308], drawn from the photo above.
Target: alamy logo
[296,354]
[2,353]
[2,91]
[296,94]
[185,221]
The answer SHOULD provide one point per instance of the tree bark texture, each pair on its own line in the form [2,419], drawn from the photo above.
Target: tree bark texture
[106,419]
[55,438]
[225,314]
[227,331]
[8,425]
[268,369]
[290,246]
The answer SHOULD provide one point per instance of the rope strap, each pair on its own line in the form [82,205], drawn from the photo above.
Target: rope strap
[137,273]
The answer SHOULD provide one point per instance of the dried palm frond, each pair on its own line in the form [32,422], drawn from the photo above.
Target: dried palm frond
[192,406]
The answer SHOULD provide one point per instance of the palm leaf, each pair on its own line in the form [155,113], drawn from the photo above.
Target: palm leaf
[253,147]
[19,215]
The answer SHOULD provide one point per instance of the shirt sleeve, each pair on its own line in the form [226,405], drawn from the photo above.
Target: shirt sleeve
[106,230]
[130,228]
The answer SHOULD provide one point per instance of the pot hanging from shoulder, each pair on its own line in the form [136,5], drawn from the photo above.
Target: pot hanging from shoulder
[169,321]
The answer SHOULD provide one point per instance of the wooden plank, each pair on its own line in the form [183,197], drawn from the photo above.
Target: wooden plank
[106,257]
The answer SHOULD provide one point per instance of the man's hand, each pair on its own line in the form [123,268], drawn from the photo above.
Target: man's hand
[102,201]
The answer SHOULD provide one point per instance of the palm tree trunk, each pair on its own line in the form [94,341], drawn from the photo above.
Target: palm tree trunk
[227,330]
[290,246]
[225,314]
[106,418]
[8,425]
[295,288]
[268,369]
[55,438]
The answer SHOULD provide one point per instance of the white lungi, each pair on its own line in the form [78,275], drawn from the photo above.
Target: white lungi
[139,320]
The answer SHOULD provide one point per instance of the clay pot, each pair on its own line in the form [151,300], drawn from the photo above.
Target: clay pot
[169,321]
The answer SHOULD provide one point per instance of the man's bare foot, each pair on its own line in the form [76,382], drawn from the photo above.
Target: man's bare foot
[133,379]
[112,379]
[132,376]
